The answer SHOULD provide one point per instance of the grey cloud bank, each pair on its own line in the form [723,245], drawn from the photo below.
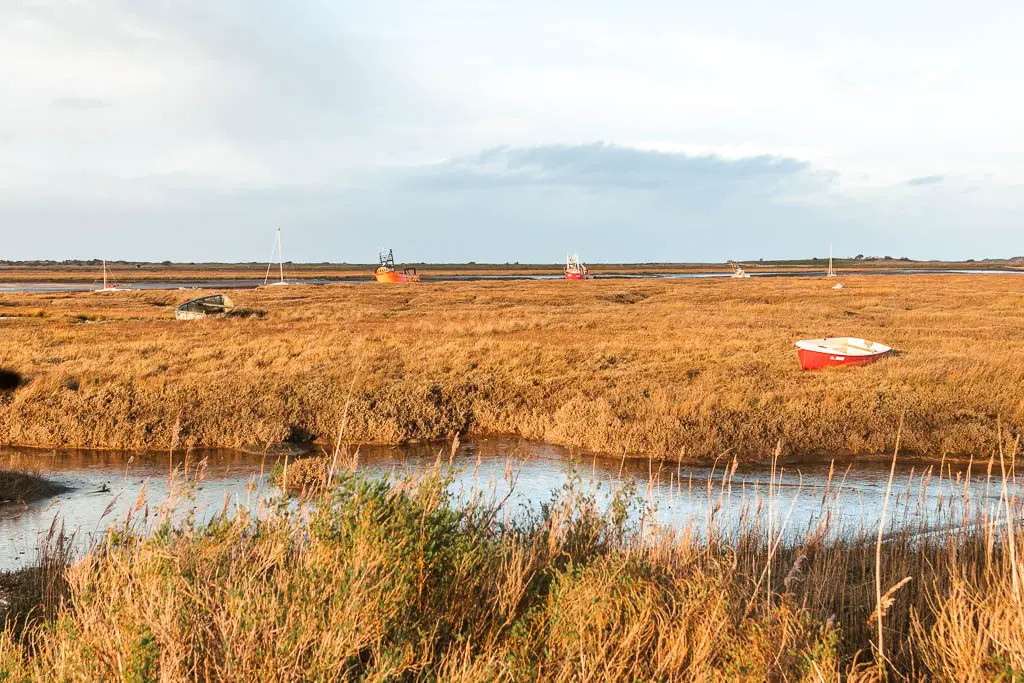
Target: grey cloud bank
[509,204]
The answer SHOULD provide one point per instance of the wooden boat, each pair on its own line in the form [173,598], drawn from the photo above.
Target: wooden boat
[204,307]
[387,272]
[823,353]
[280,264]
[575,270]
[110,286]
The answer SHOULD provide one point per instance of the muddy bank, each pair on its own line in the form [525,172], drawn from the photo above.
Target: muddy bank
[23,488]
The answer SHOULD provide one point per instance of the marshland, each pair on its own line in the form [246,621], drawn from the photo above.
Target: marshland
[687,369]
[666,496]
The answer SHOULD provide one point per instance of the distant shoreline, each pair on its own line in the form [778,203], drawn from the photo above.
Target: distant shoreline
[135,271]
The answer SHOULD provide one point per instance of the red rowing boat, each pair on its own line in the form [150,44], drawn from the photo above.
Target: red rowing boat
[832,351]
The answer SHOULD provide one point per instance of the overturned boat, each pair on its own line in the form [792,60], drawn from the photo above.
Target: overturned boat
[205,307]
[829,352]
[387,272]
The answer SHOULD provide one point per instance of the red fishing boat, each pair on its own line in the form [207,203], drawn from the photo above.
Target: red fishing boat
[387,272]
[823,353]
[574,270]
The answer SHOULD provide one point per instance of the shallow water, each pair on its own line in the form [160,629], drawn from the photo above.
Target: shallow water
[106,487]
[57,287]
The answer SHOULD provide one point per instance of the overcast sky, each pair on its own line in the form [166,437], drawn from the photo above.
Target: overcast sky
[454,130]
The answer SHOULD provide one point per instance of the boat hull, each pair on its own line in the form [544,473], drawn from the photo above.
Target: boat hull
[814,360]
[204,307]
[577,276]
[394,278]
[815,354]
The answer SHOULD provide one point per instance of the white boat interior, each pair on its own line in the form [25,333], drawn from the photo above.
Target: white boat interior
[843,346]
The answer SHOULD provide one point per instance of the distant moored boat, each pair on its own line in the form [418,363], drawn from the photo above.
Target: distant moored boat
[575,270]
[110,286]
[822,353]
[738,272]
[280,263]
[387,272]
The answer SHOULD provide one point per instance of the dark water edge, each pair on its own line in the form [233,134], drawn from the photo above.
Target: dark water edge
[102,488]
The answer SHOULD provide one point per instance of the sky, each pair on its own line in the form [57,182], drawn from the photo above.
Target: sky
[478,130]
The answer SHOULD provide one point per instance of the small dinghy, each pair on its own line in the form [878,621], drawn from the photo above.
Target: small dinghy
[206,307]
[823,353]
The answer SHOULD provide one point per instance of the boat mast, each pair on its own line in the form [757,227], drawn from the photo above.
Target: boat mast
[104,273]
[831,273]
[280,254]
[270,263]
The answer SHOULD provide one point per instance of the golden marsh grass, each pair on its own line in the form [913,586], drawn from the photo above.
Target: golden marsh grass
[662,368]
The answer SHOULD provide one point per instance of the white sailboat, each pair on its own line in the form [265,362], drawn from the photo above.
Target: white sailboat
[110,286]
[280,264]
[831,272]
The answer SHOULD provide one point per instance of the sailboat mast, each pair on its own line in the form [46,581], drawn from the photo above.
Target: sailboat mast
[270,262]
[104,273]
[830,271]
[280,254]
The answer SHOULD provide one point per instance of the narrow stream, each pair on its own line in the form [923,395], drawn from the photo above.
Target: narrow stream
[105,487]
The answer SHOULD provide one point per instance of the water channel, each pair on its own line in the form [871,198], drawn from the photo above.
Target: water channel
[56,287]
[104,487]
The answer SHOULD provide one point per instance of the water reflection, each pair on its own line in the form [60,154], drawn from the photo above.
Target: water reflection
[794,500]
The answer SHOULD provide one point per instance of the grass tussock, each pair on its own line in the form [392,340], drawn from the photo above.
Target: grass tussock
[301,476]
[376,580]
[670,369]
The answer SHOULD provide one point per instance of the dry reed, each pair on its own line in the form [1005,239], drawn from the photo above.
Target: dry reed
[371,579]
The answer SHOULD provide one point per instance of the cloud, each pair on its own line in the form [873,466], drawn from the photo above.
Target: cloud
[611,203]
[189,129]
[78,103]
[606,166]
[926,180]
